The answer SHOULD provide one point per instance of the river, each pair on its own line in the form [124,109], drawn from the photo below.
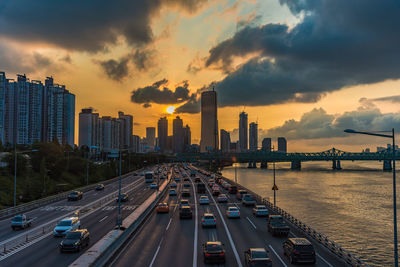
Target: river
[352,206]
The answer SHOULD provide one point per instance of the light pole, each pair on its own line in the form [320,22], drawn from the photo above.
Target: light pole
[274,187]
[15,170]
[396,254]
[119,217]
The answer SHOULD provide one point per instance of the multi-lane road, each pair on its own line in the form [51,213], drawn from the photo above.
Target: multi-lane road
[167,240]
[99,221]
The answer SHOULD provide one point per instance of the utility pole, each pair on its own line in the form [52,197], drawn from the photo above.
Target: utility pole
[274,187]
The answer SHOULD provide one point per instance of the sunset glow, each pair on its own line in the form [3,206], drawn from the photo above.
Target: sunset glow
[170,109]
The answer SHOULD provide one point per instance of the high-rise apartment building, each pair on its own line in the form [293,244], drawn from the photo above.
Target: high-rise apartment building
[126,130]
[253,136]
[209,122]
[266,144]
[162,128]
[243,126]
[178,135]
[187,138]
[31,112]
[225,141]
[151,136]
[282,144]
[89,128]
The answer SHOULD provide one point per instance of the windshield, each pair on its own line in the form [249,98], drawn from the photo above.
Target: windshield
[213,248]
[17,219]
[73,235]
[148,175]
[259,254]
[305,248]
[209,217]
[65,223]
[74,193]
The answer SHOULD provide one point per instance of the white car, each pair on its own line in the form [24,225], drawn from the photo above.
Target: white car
[66,225]
[233,212]
[260,210]
[204,200]
[153,186]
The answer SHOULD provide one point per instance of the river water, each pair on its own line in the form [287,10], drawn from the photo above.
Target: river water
[353,206]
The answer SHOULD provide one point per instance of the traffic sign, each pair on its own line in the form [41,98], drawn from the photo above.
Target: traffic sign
[275,187]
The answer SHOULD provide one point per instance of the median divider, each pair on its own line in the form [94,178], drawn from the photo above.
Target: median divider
[102,252]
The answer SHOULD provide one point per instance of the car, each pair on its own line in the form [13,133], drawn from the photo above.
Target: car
[197,180]
[257,257]
[183,202]
[208,220]
[232,189]
[186,179]
[215,187]
[99,187]
[153,186]
[213,252]
[248,200]
[162,208]
[299,250]
[216,192]
[204,200]
[260,210]
[222,198]
[277,225]
[124,197]
[172,192]
[21,222]
[185,193]
[75,240]
[233,212]
[75,195]
[177,179]
[240,193]
[173,185]
[187,185]
[66,225]
[201,188]
[135,174]
[185,212]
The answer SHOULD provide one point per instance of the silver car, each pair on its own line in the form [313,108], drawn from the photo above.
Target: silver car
[208,220]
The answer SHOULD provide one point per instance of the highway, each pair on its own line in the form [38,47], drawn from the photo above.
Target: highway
[45,252]
[166,240]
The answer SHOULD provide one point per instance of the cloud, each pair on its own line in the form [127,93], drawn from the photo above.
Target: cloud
[336,44]
[146,105]
[116,70]
[192,106]
[393,99]
[143,59]
[160,94]
[84,25]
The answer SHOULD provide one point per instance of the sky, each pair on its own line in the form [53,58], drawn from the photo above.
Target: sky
[303,69]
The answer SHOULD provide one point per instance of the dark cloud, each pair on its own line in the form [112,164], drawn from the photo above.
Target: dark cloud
[337,44]
[192,106]
[146,105]
[143,59]
[84,25]
[393,99]
[115,70]
[160,94]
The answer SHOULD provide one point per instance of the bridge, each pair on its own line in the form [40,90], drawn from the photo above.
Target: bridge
[263,157]
[151,239]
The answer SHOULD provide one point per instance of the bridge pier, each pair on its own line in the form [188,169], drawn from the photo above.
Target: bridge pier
[336,165]
[264,165]
[387,165]
[252,165]
[296,165]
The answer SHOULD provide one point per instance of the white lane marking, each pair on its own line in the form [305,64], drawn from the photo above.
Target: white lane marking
[105,217]
[330,265]
[196,226]
[251,223]
[276,254]
[170,220]
[155,254]
[227,231]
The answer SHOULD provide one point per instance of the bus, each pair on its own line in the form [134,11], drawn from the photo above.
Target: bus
[148,177]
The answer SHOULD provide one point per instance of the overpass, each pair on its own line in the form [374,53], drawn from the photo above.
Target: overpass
[263,157]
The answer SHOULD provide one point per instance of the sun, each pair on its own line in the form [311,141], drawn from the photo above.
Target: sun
[170,109]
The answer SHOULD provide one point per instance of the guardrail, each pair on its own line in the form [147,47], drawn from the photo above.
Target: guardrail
[322,239]
[46,229]
[51,199]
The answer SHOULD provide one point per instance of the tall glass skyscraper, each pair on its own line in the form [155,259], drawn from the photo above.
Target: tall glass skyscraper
[243,137]
[209,122]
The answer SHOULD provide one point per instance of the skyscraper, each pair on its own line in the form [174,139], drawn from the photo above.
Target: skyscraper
[266,144]
[151,136]
[2,104]
[209,122]
[225,141]
[187,138]
[282,144]
[126,130]
[89,128]
[177,132]
[162,128]
[253,136]
[243,140]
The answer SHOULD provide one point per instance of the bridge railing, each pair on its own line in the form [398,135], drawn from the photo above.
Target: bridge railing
[4,213]
[322,239]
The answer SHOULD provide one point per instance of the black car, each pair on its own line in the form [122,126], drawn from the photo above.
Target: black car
[213,252]
[124,197]
[185,212]
[197,180]
[185,193]
[187,185]
[99,187]
[299,250]
[257,257]
[75,195]
[186,179]
[75,240]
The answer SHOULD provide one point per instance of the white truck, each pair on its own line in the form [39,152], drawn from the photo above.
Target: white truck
[21,222]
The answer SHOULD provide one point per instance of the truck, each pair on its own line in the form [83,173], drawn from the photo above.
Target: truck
[21,221]
[277,226]
[201,188]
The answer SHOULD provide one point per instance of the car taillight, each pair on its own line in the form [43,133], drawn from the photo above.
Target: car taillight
[296,252]
[222,253]
[215,220]
[202,220]
[313,252]
[207,254]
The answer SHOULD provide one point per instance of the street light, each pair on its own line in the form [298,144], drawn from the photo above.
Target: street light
[396,255]
[274,187]
[15,170]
